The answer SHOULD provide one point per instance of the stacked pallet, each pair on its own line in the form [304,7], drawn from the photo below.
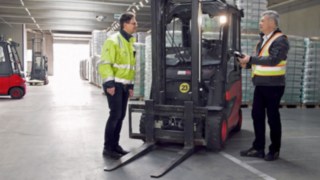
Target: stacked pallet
[84,69]
[98,38]
[294,72]
[248,46]
[94,77]
[140,70]
[311,85]
[140,37]
[252,13]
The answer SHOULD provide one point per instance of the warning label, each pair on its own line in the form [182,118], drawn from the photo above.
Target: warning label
[184,87]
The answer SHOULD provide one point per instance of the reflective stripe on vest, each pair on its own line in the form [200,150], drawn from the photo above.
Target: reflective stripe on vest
[262,70]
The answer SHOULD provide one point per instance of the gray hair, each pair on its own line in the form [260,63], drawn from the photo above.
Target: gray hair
[272,15]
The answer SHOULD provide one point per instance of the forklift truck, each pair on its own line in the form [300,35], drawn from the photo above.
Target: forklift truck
[196,80]
[12,79]
[39,69]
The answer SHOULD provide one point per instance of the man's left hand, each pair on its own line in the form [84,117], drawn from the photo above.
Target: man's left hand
[130,92]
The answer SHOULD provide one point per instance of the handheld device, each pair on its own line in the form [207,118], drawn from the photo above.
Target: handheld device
[238,54]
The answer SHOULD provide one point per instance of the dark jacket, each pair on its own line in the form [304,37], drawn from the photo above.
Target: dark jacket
[278,51]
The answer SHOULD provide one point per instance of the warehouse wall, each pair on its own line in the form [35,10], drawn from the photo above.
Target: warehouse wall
[303,22]
[16,33]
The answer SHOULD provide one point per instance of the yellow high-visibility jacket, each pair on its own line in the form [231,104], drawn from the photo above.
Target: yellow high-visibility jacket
[117,60]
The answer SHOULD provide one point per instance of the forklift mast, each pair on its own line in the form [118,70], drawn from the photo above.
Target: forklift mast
[39,62]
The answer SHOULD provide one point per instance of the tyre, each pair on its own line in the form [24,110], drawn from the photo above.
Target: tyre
[237,128]
[16,93]
[216,131]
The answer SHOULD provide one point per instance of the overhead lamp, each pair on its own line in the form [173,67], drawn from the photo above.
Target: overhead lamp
[141,3]
[147,1]
[28,11]
[33,20]
[100,18]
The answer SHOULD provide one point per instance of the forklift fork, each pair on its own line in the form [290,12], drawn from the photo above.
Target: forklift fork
[186,152]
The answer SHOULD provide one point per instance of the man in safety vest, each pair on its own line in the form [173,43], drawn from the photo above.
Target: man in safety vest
[117,71]
[268,75]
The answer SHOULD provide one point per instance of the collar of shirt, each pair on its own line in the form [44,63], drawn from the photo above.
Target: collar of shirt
[126,35]
[266,37]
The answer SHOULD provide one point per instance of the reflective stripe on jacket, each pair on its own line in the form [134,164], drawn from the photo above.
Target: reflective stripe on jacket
[263,70]
[117,60]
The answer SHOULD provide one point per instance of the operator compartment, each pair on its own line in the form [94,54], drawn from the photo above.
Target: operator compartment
[178,57]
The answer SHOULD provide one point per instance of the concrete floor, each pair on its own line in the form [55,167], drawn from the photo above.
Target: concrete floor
[56,133]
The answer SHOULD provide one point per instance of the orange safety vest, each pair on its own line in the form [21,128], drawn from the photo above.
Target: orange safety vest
[263,70]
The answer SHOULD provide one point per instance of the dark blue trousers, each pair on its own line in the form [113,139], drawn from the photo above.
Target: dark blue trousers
[118,107]
[266,102]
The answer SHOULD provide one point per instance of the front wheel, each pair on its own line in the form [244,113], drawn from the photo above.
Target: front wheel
[216,131]
[16,93]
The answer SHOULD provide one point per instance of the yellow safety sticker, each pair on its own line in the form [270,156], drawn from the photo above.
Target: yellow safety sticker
[184,87]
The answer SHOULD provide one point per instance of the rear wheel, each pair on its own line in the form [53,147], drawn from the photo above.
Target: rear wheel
[16,93]
[216,131]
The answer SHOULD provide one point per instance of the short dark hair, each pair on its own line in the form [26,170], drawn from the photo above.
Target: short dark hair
[126,18]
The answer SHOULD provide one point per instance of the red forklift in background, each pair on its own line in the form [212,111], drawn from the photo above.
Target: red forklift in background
[12,79]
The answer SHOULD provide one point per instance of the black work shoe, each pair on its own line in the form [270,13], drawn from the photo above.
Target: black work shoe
[111,154]
[271,156]
[252,153]
[121,151]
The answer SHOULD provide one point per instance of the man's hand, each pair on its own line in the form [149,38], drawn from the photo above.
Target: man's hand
[111,91]
[243,65]
[243,61]
[130,92]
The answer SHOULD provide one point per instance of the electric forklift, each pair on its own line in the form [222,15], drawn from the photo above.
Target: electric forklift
[12,79]
[196,80]
[39,68]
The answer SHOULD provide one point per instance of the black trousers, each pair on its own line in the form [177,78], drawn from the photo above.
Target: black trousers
[118,107]
[266,101]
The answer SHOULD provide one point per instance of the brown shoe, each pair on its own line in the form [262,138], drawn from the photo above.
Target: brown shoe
[252,153]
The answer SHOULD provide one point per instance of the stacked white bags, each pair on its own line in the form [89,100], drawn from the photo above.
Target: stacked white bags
[311,81]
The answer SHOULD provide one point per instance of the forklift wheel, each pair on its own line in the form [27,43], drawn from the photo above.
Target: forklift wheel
[217,131]
[16,93]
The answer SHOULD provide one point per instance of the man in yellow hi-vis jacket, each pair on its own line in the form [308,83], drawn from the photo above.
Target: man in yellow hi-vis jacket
[268,75]
[117,71]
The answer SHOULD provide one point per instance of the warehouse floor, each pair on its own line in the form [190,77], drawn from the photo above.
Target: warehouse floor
[56,133]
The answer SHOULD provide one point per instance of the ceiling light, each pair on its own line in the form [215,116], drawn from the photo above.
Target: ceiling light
[141,3]
[100,18]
